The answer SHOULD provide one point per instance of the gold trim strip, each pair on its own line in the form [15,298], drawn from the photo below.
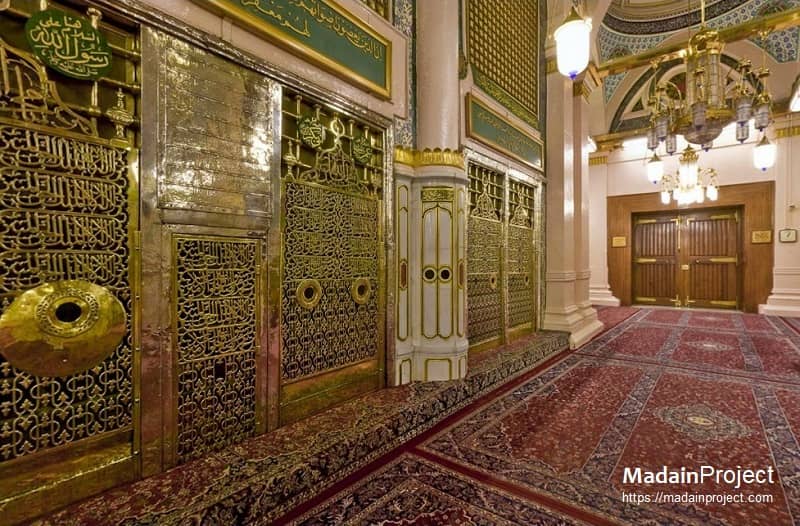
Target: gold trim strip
[645,300]
[724,260]
[723,216]
[428,157]
[790,131]
[597,161]
[723,303]
[646,260]
[646,221]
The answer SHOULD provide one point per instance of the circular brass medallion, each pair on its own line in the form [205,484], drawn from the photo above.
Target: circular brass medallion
[362,150]
[445,273]
[312,132]
[62,328]
[361,290]
[308,293]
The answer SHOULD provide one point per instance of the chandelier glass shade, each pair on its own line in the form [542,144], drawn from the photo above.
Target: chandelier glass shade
[572,44]
[764,154]
[691,184]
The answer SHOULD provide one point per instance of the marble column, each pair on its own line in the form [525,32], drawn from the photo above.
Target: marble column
[568,307]
[436,225]
[784,299]
[599,289]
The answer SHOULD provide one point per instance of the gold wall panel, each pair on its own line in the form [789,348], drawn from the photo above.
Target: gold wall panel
[332,233]
[521,255]
[503,48]
[485,235]
[216,323]
[216,133]
[64,215]
[68,212]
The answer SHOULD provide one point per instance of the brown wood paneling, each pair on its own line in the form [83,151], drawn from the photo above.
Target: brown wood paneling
[757,204]
[712,252]
[655,259]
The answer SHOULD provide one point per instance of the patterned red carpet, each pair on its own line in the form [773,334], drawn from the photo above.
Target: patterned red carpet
[712,393]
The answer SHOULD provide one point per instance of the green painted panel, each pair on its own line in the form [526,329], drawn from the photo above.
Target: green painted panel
[488,127]
[324,31]
[68,44]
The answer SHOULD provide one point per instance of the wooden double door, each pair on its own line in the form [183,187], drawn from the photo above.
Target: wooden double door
[687,259]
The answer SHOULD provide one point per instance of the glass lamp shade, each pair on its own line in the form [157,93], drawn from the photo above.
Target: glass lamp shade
[761,117]
[655,169]
[699,194]
[652,139]
[662,127]
[665,197]
[699,114]
[764,154]
[744,108]
[671,143]
[572,45]
[712,193]
[742,131]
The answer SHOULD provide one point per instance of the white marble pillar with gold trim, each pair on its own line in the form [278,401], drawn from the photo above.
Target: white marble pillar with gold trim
[567,307]
[437,206]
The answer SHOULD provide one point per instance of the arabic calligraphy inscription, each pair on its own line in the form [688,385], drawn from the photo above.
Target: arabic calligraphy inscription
[68,44]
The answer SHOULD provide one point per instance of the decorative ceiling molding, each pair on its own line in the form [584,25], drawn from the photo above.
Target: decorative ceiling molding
[647,18]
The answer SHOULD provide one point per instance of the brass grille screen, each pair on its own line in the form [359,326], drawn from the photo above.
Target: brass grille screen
[521,254]
[64,215]
[216,287]
[485,231]
[332,173]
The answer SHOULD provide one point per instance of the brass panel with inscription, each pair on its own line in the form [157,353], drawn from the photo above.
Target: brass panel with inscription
[503,49]
[217,133]
[216,300]
[485,234]
[332,194]
[68,219]
[521,254]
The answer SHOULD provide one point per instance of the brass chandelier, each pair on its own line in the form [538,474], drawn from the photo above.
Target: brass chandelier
[701,114]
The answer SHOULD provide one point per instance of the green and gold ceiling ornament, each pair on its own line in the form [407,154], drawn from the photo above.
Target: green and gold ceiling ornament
[62,328]
[71,45]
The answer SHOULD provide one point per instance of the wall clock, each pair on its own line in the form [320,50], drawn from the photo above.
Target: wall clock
[788,235]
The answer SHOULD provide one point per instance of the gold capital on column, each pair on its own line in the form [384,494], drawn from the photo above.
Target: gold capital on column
[429,157]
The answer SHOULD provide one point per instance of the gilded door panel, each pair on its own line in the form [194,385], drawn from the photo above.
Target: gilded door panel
[712,257]
[656,245]
[521,254]
[67,212]
[333,296]
[216,302]
[484,251]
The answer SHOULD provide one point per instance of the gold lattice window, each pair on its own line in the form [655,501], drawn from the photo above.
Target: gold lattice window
[503,45]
